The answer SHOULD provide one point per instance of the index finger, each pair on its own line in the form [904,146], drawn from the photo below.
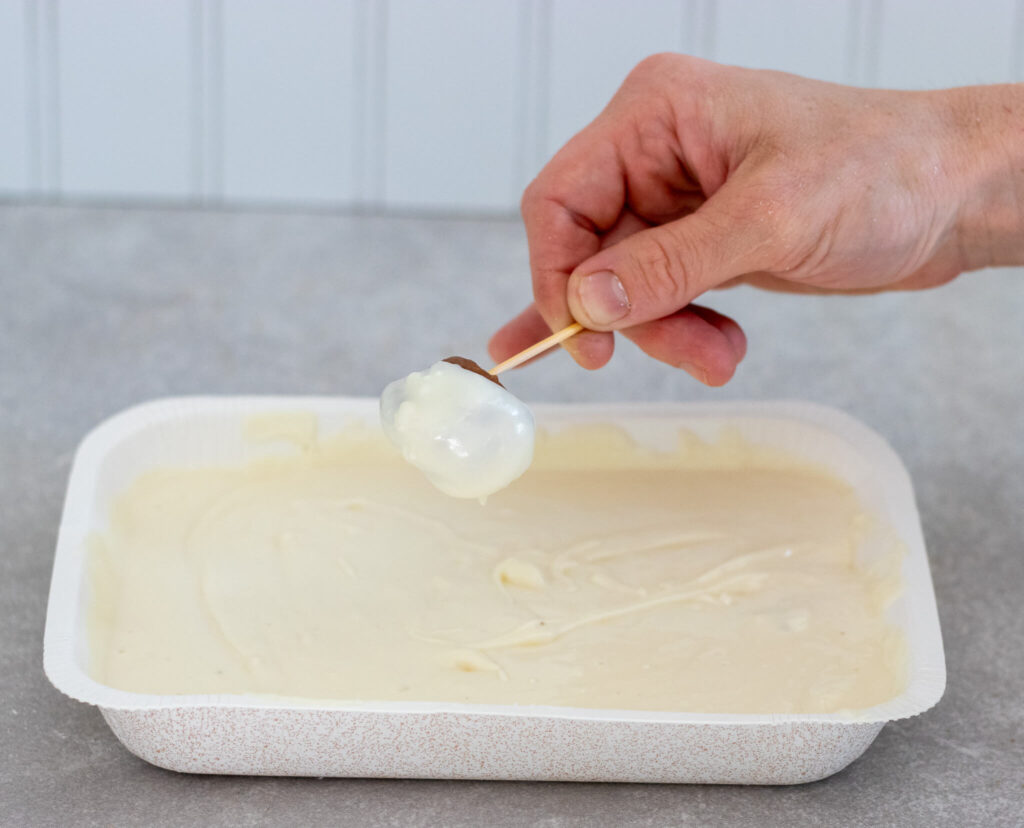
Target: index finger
[574,200]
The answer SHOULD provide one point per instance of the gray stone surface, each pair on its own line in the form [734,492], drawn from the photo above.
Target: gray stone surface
[102,308]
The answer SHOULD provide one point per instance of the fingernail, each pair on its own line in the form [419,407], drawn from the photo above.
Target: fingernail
[603,297]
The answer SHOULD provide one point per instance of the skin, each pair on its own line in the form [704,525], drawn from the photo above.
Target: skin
[699,176]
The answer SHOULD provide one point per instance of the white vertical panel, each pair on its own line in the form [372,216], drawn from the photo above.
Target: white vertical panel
[289,99]
[452,95]
[937,43]
[594,44]
[806,37]
[369,115]
[865,32]
[15,160]
[45,123]
[699,28]
[124,75]
[207,100]
[534,33]
[1018,44]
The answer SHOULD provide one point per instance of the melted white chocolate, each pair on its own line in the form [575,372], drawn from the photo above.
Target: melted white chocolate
[710,580]
[466,433]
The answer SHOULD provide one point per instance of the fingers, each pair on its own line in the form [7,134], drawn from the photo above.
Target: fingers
[625,226]
[594,255]
[566,210]
[518,334]
[655,272]
[704,343]
[529,327]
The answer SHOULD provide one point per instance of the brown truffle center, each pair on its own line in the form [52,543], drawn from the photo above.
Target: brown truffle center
[470,365]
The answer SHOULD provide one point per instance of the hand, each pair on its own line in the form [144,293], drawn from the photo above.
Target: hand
[699,176]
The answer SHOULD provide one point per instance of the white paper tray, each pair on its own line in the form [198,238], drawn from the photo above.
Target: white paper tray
[243,734]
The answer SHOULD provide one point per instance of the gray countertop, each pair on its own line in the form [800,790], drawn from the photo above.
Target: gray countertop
[102,308]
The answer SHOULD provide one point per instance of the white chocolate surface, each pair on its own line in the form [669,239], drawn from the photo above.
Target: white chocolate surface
[467,434]
[714,580]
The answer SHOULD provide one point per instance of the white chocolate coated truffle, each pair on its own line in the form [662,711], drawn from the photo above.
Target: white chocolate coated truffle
[467,434]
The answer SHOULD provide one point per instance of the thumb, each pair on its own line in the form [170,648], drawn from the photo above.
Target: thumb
[655,272]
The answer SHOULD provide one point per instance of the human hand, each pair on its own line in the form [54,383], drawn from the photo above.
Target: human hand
[698,176]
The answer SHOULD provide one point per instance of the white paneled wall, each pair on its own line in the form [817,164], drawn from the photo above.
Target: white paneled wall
[289,94]
[813,38]
[593,45]
[450,105]
[15,142]
[124,81]
[933,43]
[451,101]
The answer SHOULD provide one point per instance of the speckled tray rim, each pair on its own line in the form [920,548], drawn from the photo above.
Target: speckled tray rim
[64,639]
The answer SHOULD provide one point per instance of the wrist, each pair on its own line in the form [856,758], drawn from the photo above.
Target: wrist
[987,165]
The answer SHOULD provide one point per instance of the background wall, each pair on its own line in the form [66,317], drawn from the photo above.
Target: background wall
[446,105]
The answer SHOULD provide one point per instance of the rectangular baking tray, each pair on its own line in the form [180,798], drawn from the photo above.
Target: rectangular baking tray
[252,734]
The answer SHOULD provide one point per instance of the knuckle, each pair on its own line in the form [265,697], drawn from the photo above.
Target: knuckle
[662,276]
[656,65]
[531,195]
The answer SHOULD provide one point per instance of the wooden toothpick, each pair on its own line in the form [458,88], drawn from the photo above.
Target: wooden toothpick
[537,348]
